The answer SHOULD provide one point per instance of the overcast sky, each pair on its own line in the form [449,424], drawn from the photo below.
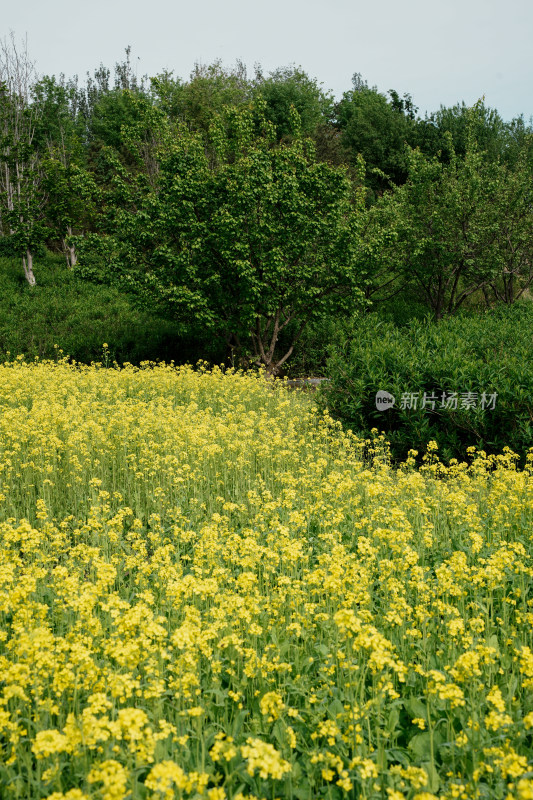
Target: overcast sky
[440,52]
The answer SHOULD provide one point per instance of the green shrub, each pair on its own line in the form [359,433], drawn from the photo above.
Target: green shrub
[402,309]
[310,355]
[489,352]
[321,337]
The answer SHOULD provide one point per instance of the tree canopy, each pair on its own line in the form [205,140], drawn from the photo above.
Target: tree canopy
[249,238]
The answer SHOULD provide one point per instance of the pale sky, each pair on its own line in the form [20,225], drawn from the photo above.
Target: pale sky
[440,52]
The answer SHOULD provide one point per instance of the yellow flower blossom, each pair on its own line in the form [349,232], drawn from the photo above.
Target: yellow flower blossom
[271,705]
[113,777]
[264,758]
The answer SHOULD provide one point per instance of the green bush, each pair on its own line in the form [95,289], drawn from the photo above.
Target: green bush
[321,337]
[310,355]
[402,308]
[65,313]
[488,352]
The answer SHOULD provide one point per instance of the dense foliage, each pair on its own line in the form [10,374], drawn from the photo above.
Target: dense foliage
[466,381]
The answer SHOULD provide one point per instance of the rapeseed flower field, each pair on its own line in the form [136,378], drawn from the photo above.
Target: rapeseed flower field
[209,590]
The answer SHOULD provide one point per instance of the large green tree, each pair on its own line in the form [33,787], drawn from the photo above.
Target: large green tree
[291,87]
[495,137]
[209,89]
[69,185]
[378,129]
[512,251]
[455,227]
[244,238]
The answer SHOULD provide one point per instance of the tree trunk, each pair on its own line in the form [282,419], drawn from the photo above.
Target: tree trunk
[27,263]
[20,176]
[72,256]
[70,250]
[486,296]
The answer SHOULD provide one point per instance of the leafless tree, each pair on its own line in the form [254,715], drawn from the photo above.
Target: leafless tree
[20,176]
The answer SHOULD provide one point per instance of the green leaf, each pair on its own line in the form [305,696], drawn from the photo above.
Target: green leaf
[420,745]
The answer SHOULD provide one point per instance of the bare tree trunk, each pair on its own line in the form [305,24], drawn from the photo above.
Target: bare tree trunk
[19,163]
[73,256]
[70,250]
[27,263]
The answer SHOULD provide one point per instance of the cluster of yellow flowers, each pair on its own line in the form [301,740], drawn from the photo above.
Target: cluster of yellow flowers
[208,589]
